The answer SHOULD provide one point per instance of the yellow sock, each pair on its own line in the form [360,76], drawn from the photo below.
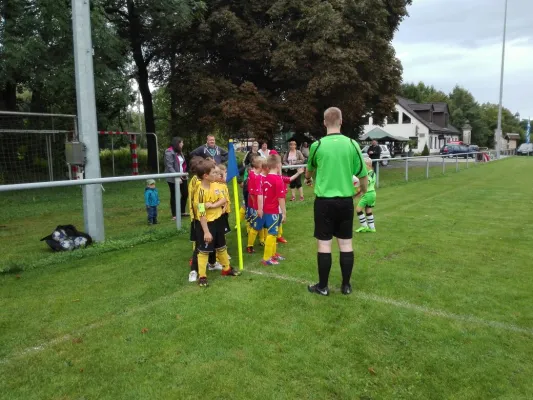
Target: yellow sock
[203,258]
[242,213]
[280,231]
[251,237]
[270,245]
[222,255]
[262,235]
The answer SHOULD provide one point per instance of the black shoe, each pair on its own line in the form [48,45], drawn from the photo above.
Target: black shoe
[316,289]
[346,289]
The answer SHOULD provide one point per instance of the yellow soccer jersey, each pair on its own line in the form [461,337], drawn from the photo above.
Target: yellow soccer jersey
[225,193]
[202,196]
[194,182]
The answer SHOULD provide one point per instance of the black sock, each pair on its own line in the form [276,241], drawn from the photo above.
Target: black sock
[194,264]
[212,258]
[346,261]
[324,266]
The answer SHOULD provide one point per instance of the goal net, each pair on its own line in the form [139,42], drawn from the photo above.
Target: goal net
[32,147]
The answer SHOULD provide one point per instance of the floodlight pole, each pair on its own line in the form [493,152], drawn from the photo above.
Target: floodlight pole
[93,210]
[499,127]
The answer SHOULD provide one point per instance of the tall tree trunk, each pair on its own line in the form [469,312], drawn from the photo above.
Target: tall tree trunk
[9,97]
[144,88]
[173,95]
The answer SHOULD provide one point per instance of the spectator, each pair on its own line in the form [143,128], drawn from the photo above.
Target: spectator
[294,157]
[175,162]
[305,150]
[248,157]
[264,152]
[211,150]
[374,152]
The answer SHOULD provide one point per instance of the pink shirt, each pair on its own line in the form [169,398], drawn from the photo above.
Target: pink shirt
[273,190]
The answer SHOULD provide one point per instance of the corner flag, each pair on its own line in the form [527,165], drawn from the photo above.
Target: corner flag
[233,173]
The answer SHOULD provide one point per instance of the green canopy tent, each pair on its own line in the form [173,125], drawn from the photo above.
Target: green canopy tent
[396,144]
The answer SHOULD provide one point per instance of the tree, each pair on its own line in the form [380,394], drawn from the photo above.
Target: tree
[145,25]
[423,94]
[259,67]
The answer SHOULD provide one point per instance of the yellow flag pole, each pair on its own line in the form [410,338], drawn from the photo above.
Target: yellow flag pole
[237,217]
[238,220]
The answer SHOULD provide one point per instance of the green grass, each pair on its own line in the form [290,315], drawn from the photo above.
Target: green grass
[441,309]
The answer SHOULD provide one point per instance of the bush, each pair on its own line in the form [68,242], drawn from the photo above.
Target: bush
[425,152]
[122,161]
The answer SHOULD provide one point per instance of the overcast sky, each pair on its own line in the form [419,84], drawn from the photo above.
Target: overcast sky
[449,42]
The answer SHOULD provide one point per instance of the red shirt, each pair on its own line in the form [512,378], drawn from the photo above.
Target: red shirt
[251,187]
[273,190]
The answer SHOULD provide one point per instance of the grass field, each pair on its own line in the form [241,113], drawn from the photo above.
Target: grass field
[441,308]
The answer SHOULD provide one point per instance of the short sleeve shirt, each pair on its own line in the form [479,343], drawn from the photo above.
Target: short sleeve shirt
[335,159]
[202,196]
[273,190]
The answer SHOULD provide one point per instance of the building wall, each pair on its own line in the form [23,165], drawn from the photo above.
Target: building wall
[406,130]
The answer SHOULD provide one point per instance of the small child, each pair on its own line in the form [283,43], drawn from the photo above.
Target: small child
[271,211]
[254,189]
[208,207]
[367,201]
[151,199]
[194,183]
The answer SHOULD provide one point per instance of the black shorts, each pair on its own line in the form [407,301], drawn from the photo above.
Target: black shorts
[297,183]
[225,223]
[216,228]
[334,217]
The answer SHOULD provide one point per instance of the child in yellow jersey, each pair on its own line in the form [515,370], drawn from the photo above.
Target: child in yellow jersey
[225,192]
[208,203]
[194,183]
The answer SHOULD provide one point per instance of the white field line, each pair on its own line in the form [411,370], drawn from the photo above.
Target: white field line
[409,306]
[358,294]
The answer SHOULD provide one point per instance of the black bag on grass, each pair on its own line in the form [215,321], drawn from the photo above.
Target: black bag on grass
[67,238]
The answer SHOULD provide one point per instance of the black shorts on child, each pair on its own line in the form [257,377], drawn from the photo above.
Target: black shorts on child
[192,236]
[225,223]
[216,228]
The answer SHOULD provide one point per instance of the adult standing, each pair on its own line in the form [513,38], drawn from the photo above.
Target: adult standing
[249,154]
[175,162]
[334,160]
[374,152]
[211,150]
[294,157]
[264,152]
[305,150]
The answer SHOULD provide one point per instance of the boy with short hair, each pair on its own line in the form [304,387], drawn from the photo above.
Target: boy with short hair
[271,210]
[254,189]
[208,203]
[367,202]
[151,200]
[194,182]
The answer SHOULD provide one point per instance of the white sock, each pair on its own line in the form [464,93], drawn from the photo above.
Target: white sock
[370,219]
[362,220]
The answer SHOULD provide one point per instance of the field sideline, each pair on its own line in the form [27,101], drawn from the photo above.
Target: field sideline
[441,308]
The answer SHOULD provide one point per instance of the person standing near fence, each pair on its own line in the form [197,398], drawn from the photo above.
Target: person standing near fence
[175,162]
[211,150]
[374,152]
[294,157]
[334,160]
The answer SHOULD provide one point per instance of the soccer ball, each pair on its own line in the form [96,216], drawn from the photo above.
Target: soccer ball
[67,244]
[355,181]
[58,235]
[80,241]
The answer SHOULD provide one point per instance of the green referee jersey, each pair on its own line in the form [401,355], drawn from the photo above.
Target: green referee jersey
[335,159]
[371,181]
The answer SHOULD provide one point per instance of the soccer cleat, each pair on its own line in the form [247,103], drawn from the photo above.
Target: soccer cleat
[316,289]
[250,250]
[215,267]
[202,282]
[278,257]
[269,262]
[293,198]
[262,244]
[371,230]
[230,272]
[301,198]
[190,262]
[362,229]
[346,289]
[193,276]
[281,240]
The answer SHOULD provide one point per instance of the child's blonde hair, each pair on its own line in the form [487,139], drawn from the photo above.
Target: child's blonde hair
[273,161]
[222,167]
[368,162]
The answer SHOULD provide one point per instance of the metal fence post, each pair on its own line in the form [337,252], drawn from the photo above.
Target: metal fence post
[377,174]
[467,159]
[407,170]
[427,168]
[443,166]
[177,191]
[456,163]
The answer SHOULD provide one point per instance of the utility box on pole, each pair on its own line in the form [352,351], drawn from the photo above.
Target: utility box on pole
[93,209]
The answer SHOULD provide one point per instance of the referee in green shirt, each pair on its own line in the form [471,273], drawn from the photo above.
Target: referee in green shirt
[333,160]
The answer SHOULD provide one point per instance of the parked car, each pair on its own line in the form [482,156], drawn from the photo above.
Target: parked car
[453,149]
[525,149]
[385,154]
[473,148]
